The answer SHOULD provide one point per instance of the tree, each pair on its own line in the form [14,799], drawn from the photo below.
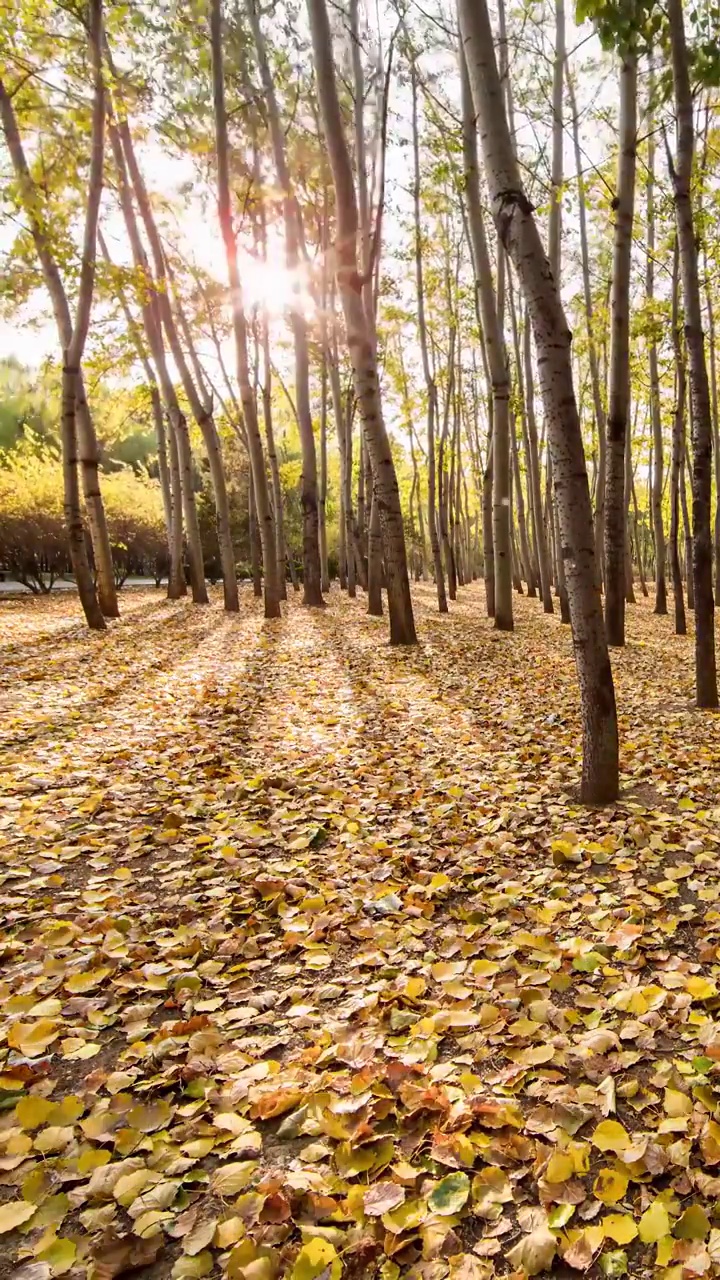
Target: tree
[619,396]
[495,348]
[519,235]
[361,347]
[76,414]
[706,690]
[247,396]
[312,585]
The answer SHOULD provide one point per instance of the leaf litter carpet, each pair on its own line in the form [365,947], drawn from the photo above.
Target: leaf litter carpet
[312,966]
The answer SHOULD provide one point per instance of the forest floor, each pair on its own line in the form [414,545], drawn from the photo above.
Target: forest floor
[313,966]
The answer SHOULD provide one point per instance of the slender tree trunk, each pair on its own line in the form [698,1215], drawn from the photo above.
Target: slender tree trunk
[495,348]
[312,571]
[678,438]
[360,339]
[167,449]
[374,560]
[32,201]
[534,461]
[247,398]
[519,234]
[617,419]
[72,390]
[525,558]
[590,330]
[177,586]
[254,538]
[555,260]
[322,495]
[73,514]
[629,589]
[443,477]
[716,428]
[281,555]
[121,144]
[686,470]
[655,415]
[706,690]
[201,410]
[342,430]
[487,527]
[638,541]
[431,389]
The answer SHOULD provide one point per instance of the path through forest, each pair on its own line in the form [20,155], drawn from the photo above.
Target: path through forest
[316,944]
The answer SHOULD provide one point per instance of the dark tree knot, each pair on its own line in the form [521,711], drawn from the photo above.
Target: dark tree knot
[509,201]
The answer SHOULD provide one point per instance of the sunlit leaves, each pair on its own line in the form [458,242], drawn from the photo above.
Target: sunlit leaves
[446,1068]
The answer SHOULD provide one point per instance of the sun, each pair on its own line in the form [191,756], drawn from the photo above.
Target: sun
[266,283]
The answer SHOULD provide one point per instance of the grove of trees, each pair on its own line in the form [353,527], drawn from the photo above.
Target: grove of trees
[375,293]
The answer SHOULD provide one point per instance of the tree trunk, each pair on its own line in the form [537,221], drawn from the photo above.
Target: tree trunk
[629,589]
[359,336]
[343,427]
[655,415]
[619,400]
[247,397]
[89,455]
[431,389]
[254,537]
[525,558]
[678,437]
[73,514]
[519,234]
[592,348]
[685,470]
[495,348]
[72,389]
[322,494]
[32,202]
[534,464]
[375,607]
[706,690]
[167,448]
[121,144]
[312,572]
[487,527]
[276,484]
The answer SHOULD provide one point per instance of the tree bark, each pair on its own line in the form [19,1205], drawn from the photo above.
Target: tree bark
[519,234]
[360,342]
[655,415]
[706,689]
[312,570]
[247,397]
[678,445]
[629,588]
[495,348]
[592,347]
[685,470]
[121,144]
[619,400]
[534,462]
[431,389]
[88,448]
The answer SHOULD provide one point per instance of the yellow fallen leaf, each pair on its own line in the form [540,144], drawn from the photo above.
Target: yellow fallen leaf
[610,1186]
[620,1227]
[560,1167]
[654,1224]
[15,1213]
[611,1136]
[79,983]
